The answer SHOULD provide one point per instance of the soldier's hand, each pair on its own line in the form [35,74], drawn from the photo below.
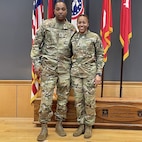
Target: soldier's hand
[98,80]
[38,71]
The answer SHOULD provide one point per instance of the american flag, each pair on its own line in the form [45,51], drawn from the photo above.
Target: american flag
[77,9]
[37,18]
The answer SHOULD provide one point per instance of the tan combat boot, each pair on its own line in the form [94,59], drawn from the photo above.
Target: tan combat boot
[88,132]
[59,129]
[79,131]
[43,134]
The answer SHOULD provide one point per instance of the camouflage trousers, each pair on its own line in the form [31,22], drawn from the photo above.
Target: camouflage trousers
[84,93]
[48,83]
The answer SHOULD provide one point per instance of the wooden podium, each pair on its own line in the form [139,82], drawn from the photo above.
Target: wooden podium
[110,113]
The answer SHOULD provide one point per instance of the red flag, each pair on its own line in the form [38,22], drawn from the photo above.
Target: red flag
[50,9]
[77,9]
[37,18]
[106,26]
[125,26]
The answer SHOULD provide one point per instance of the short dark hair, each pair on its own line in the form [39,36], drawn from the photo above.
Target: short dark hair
[84,15]
[59,1]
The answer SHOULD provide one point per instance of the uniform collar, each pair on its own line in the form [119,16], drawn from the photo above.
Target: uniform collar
[83,34]
[62,25]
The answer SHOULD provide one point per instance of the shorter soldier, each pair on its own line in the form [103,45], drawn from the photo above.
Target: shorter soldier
[86,71]
[51,55]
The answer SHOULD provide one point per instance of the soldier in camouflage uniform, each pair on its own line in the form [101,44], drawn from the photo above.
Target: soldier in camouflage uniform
[51,55]
[86,71]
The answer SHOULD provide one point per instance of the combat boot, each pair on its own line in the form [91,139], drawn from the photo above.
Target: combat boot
[88,132]
[59,129]
[43,134]
[79,131]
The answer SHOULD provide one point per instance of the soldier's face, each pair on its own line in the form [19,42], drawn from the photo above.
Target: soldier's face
[60,11]
[82,24]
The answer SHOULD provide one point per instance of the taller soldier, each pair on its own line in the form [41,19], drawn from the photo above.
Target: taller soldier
[51,56]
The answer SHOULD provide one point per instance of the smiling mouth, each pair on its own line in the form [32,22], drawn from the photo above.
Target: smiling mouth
[81,28]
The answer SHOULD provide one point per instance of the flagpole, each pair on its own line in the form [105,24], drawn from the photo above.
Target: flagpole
[102,85]
[121,75]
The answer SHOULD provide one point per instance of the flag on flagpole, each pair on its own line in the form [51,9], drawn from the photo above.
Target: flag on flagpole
[50,9]
[125,26]
[37,18]
[106,26]
[77,9]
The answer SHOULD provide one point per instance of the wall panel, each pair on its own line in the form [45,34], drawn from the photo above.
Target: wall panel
[15,95]
[8,101]
[24,108]
[15,98]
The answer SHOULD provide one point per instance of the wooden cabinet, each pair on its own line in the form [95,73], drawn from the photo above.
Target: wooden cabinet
[110,113]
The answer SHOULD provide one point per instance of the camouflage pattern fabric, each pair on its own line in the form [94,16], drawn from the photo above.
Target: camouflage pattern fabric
[51,52]
[87,60]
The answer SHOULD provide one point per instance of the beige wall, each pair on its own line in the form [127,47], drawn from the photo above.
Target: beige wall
[15,96]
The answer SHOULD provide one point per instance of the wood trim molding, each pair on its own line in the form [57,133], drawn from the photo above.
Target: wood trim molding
[105,82]
[15,82]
